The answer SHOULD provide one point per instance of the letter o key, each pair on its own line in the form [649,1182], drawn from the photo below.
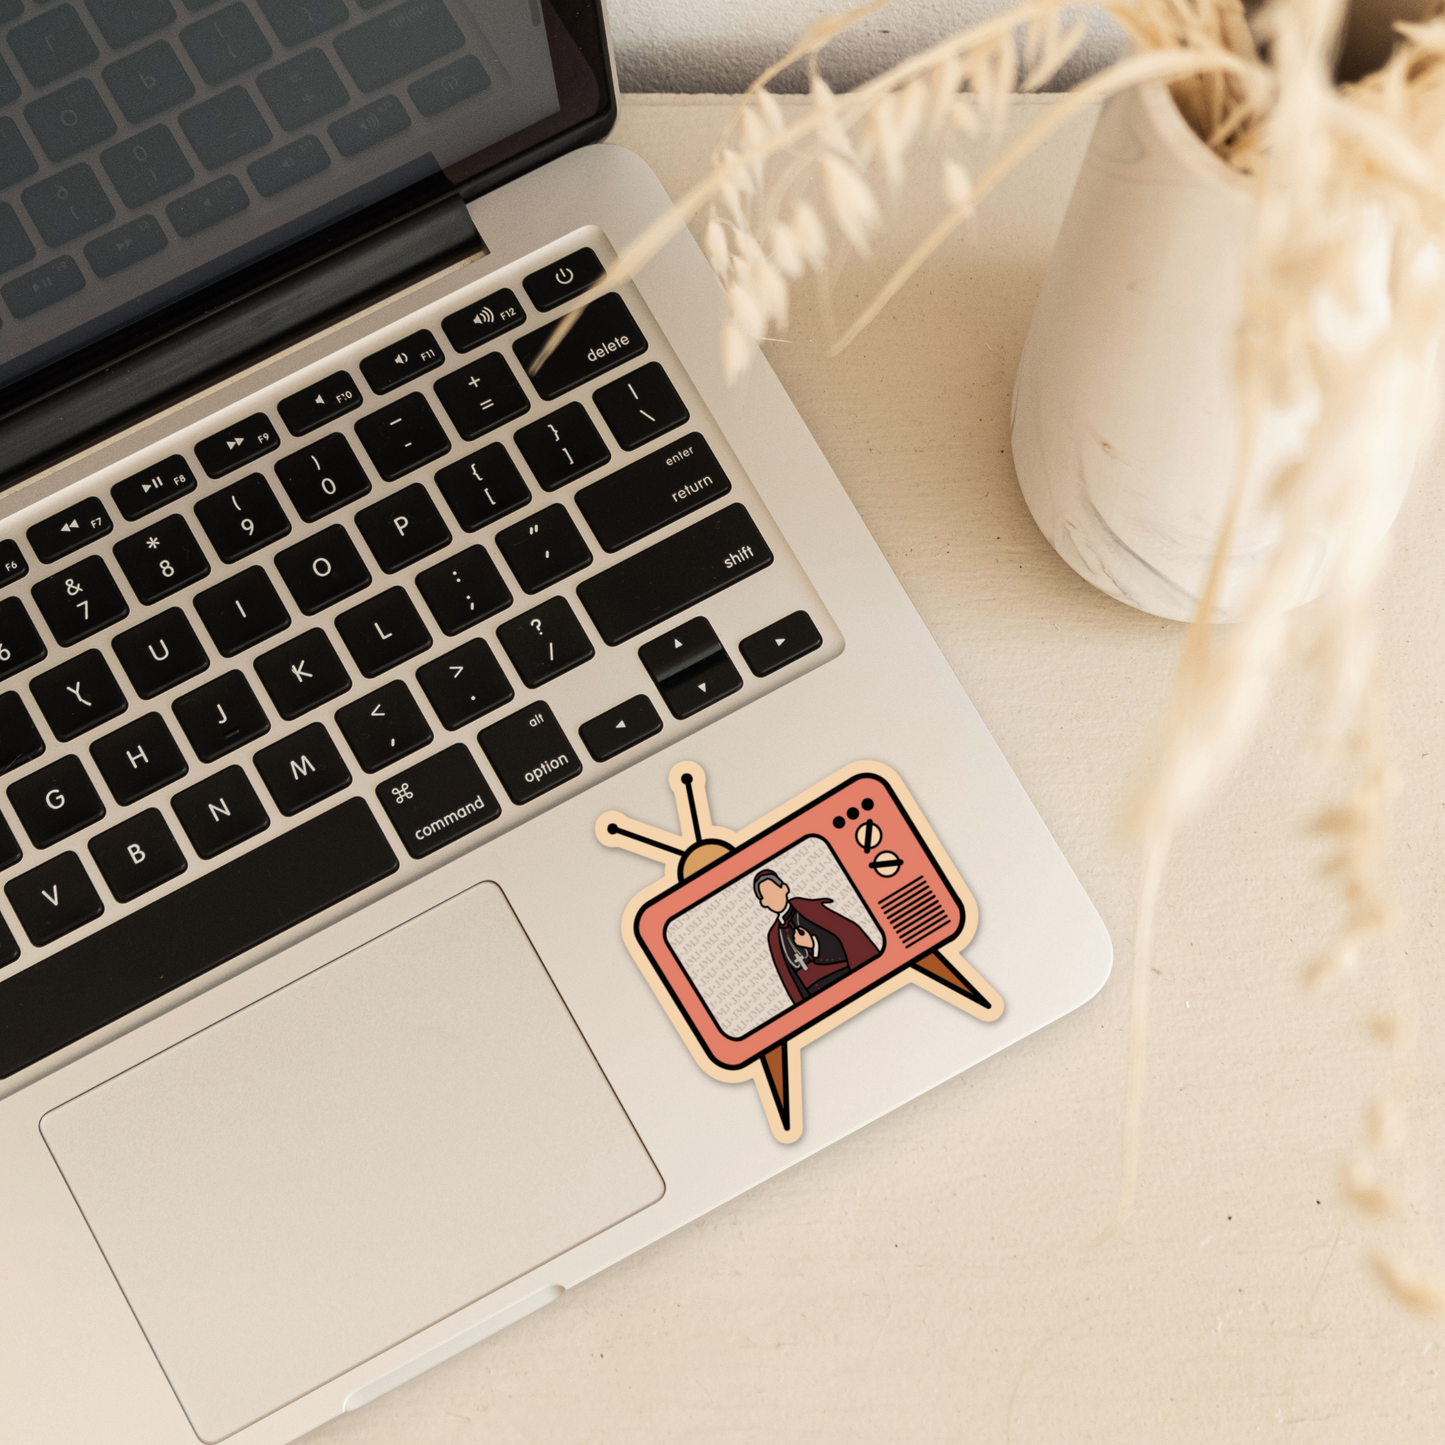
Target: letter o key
[321,566]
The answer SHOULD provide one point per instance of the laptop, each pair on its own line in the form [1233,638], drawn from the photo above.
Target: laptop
[470,804]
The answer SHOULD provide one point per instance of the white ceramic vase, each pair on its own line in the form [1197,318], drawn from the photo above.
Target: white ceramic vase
[1124,413]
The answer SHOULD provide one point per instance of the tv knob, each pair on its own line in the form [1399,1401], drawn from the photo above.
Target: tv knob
[869,835]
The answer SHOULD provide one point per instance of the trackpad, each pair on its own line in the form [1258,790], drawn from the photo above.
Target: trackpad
[349,1160]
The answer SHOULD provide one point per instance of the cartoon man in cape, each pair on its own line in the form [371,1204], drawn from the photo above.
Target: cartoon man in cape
[812,946]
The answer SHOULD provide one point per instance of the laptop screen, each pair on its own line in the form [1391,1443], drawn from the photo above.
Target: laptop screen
[150,147]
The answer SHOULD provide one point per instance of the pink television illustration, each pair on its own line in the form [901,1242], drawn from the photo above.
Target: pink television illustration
[757,942]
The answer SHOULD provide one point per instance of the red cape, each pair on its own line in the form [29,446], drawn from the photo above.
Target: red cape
[857,946]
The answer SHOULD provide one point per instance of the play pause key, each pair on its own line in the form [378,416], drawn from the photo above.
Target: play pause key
[787,640]
[620,727]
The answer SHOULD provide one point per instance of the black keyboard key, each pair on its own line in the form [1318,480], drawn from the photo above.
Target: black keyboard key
[63,532]
[287,167]
[302,89]
[687,648]
[225,128]
[148,82]
[137,855]
[384,631]
[464,684]
[301,770]
[154,487]
[70,120]
[9,86]
[9,949]
[449,86]
[241,611]
[53,900]
[331,397]
[323,477]
[16,247]
[403,529]
[147,166]
[20,644]
[621,727]
[16,163]
[162,559]
[397,364]
[78,695]
[435,802]
[562,447]
[322,569]
[402,437]
[543,548]
[399,40]
[56,801]
[53,44]
[220,812]
[475,325]
[208,205]
[222,914]
[139,758]
[564,279]
[545,642]
[237,445]
[606,336]
[13,565]
[674,574]
[20,739]
[242,517]
[302,673]
[221,716]
[125,246]
[653,492]
[44,286]
[79,601]
[369,126]
[123,22]
[463,590]
[702,687]
[529,752]
[161,653]
[481,396]
[9,848]
[383,726]
[297,21]
[795,636]
[225,43]
[482,487]
[640,407]
[67,205]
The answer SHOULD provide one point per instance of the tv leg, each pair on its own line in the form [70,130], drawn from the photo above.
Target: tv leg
[938,968]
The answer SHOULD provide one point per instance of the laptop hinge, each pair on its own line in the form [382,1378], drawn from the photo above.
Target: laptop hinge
[65,419]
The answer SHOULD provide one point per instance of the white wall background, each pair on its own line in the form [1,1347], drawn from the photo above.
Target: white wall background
[702,46]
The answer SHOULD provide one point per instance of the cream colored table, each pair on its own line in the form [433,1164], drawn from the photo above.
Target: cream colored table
[935,1277]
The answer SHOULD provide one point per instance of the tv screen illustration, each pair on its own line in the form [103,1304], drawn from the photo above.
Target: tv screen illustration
[758,941]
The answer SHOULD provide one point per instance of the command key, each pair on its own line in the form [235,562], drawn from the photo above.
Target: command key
[438,800]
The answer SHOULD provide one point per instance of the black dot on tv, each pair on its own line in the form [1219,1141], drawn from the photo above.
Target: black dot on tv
[838,821]
[852,812]
[867,805]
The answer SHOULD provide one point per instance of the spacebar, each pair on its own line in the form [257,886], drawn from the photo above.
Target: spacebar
[183,935]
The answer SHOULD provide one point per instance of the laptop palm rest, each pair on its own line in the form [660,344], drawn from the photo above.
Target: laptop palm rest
[350,1159]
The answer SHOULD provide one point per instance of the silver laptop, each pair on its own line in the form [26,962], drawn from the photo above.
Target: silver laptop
[469,806]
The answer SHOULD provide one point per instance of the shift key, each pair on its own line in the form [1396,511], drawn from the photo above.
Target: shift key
[674,574]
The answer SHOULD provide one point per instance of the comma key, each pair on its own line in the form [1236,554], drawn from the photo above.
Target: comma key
[530,752]
[438,800]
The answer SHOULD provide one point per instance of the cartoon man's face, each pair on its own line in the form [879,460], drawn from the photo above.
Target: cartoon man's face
[773,895]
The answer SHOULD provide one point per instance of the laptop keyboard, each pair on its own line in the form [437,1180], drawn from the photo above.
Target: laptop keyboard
[414,599]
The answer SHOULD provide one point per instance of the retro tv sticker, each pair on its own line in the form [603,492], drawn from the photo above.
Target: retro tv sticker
[759,941]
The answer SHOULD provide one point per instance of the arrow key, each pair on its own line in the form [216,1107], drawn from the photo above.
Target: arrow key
[620,727]
[702,687]
[785,641]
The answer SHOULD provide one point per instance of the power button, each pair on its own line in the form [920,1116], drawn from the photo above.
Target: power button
[563,279]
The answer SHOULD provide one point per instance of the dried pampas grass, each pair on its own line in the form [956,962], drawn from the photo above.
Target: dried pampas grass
[1344,303]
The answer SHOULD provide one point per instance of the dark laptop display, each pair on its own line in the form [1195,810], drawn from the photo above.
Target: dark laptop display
[150,149]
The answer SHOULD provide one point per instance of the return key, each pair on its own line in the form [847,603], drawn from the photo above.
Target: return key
[652,492]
